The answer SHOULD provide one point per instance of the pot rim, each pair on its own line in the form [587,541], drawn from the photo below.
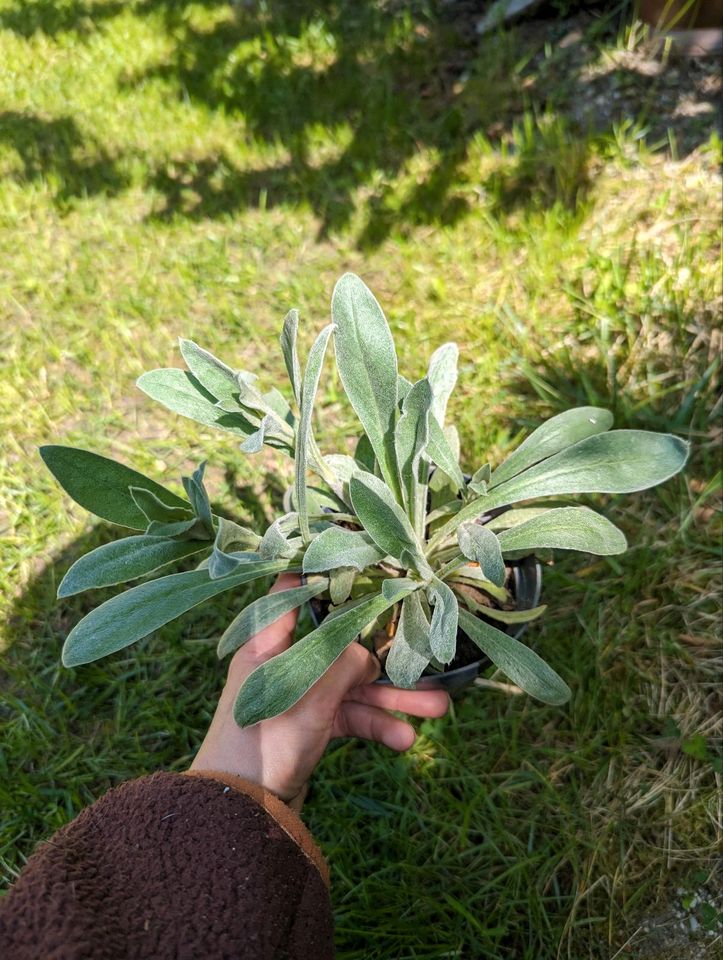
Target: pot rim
[526,572]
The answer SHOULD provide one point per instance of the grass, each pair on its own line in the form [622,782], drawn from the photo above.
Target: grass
[197,169]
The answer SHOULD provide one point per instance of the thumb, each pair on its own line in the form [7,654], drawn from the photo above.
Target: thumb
[276,637]
[354,668]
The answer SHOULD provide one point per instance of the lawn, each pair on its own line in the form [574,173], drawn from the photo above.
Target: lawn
[548,197]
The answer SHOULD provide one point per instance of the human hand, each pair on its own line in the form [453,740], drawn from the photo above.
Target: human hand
[280,754]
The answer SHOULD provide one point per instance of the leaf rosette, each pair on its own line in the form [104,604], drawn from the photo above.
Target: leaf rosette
[398,549]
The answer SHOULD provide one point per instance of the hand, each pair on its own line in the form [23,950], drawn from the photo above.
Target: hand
[280,754]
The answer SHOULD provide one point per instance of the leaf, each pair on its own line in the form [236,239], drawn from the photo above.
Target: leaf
[139,611]
[443,630]
[288,338]
[263,612]
[397,588]
[621,461]
[238,535]
[441,453]
[383,518]
[442,376]
[411,437]
[480,481]
[124,560]
[503,616]
[255,442]
[222,564]
[178,529]
[226,556]
[513,617]
[367,363]
[267,412]
[278,684]
[337,470]
[518,662]
[554,435]
[342,466]
[181,393]
[213,375]
[439,449]
[196,493]
[278,404]
[364,454]
[479,543]
[338,547]
[513,518]
[566,528]
[155,510]
[442,489]
[275,542]
[304,434]
[251,397]
[410,652]
[102,486]
[475,578]
[341,581]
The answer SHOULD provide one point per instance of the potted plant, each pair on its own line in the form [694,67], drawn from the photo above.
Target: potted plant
[395,546]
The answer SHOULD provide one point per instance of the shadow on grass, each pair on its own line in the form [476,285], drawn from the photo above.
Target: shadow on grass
[392,85]
[387,84]
[51,18]
[56,152]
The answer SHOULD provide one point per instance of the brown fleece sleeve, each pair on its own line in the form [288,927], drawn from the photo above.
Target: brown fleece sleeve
[177,866]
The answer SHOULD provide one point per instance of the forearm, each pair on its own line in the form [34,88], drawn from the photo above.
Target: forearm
[173,865]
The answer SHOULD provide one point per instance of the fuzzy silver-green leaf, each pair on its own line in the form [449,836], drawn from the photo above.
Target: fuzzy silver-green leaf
[522,665]
[338,547]
[308,393]
[442,376]
[134,614]
[411,438]
[125,560]
[382,517]
[553,435]
[181,393]
[566,528]
[281,682]
[288,338]
[263,612]
[479,543]
[621,461]
[103,486]
[410,652]
[443,629]
[211,373]
[367,363]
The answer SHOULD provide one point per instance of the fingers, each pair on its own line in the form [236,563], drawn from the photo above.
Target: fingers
[356,719]
[419,703]
[354,668]
[278,635]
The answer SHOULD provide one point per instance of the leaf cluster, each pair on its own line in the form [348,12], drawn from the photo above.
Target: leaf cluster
[404,551]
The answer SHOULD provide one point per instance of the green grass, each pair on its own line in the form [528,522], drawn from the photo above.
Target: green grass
[196,169]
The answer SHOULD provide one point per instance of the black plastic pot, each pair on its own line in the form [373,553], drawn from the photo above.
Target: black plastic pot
[527,575]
